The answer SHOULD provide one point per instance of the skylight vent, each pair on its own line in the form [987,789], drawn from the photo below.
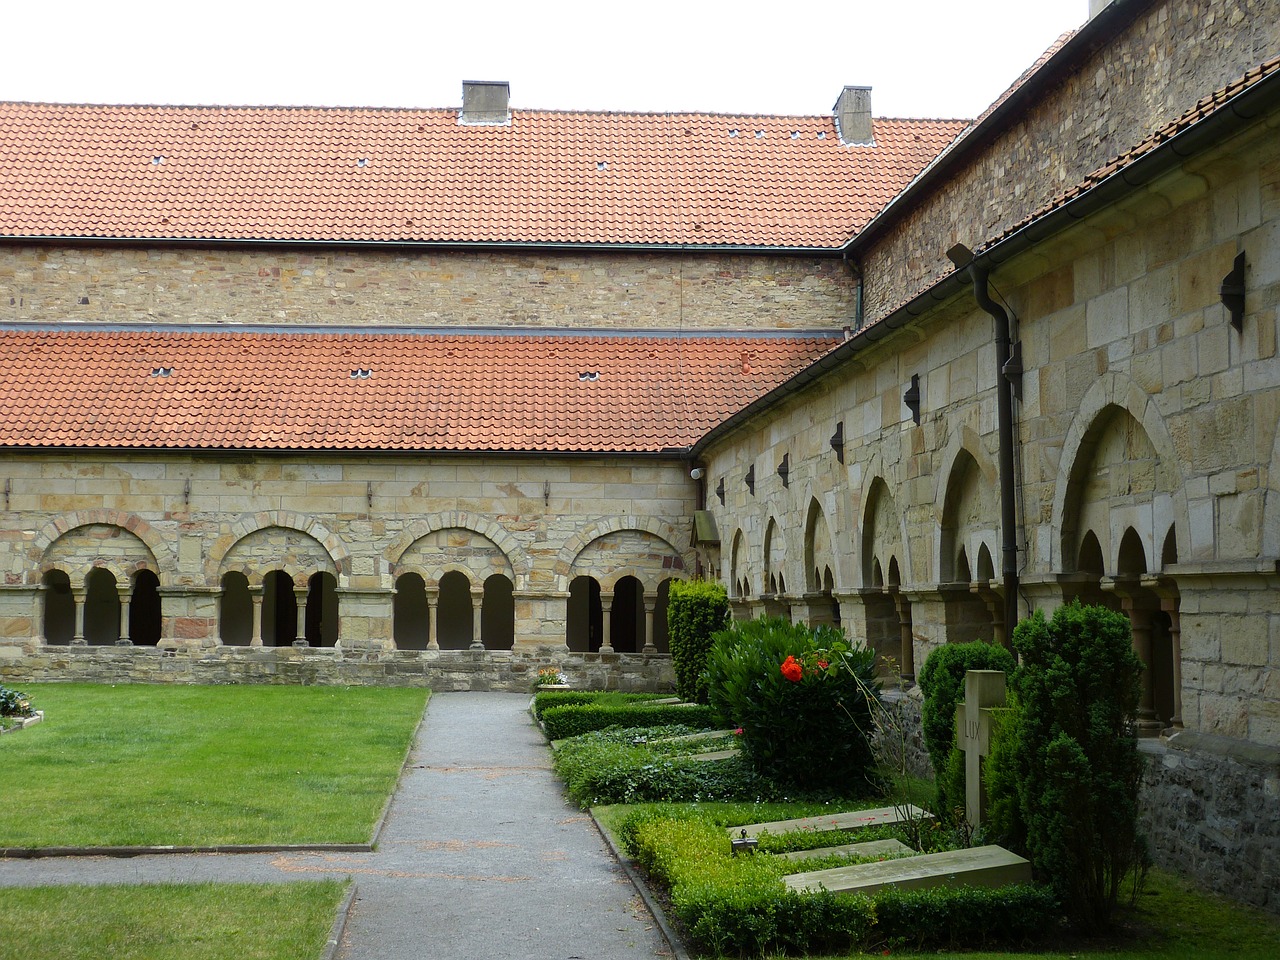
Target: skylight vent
[759,134]
[795,134]
[822,134]
[156,161]
[602,164]
[161,371]
[361,373]
[733,132]
[589,375]
[362,162]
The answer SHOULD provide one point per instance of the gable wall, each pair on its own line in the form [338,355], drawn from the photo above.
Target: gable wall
[1174,53]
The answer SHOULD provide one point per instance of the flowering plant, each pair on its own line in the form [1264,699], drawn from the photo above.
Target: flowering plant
[551,676]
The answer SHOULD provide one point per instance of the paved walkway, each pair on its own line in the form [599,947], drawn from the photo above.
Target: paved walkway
[480,856]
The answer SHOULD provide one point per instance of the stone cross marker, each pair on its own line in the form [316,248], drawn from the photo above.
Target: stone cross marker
[983,689]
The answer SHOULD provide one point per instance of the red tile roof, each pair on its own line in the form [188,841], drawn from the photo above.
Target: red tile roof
[254,173]
[297,391]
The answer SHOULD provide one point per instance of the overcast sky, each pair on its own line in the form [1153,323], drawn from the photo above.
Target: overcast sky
[923,58]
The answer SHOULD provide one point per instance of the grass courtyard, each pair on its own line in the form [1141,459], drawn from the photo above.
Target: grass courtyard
[140,765]
[198,921]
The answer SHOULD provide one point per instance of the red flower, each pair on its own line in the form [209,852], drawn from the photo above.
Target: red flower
[792,670]
[822,664]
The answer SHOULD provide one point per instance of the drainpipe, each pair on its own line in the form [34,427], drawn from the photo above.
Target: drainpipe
[1004,422]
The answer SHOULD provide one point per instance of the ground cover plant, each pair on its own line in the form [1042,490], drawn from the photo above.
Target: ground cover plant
[208,921]
[205,765]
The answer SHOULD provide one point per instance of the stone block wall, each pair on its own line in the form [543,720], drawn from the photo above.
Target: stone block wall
[1147,428]
[1173,53]
[389,289]
[364,520]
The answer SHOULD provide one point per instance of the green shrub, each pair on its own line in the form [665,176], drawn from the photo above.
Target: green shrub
[546,699]
[809,733]
[965,918]
[1004,824]
[696,611]
[610,767]
[1077,764]
[740,906]
[942,683]
[15,704]
[575,718]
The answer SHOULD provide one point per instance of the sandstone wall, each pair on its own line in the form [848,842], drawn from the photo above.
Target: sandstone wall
[1174,53]
[387,289]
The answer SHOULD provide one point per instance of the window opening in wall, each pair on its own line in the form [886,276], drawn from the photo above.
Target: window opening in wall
[410,614]
[59,608]
[279,610]
[455,614]
[101,607]
[235,610]
[498,614]
[322,610]
[144,609]
[584,628]
[626,616]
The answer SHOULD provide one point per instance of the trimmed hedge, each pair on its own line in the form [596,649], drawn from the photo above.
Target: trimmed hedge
[573,719]
[740,906]
[546,699]
[696,611]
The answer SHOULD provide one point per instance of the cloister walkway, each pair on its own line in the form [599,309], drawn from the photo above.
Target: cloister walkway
[480,856]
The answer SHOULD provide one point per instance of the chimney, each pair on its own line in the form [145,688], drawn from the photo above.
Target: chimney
[485,103]
[853,116]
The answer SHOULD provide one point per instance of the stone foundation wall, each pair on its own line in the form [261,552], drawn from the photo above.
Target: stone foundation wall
[441,670]
[1211,809]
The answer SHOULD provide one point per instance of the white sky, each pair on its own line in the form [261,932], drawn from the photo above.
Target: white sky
[923,58]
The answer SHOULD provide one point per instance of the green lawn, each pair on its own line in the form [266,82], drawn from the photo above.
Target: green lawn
[225,921]
[203,765]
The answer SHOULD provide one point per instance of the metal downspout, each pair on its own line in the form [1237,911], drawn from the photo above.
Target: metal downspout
[1004,418]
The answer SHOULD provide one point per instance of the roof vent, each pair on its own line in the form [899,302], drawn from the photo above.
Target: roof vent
[485,103]
[361,373]
[589,375]
[853,116]
[161,371]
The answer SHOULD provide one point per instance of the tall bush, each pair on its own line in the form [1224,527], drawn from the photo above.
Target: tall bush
[942,683]
[802,699]
[696,611]
[1076,758]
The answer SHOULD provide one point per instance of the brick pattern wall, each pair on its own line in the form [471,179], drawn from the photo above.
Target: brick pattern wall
[446,289]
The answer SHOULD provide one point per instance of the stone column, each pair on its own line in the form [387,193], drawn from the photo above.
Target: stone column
[126,597]
[649,607]
[606,624]
[301,604]
[477,608]
[255,594]
[433,610]
[77,601]
[1132,603]
[992,596]
[1167,591]
[37,614]
[902,607]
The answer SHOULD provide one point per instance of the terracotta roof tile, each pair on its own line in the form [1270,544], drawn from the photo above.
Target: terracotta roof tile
[287,391]
[419,176]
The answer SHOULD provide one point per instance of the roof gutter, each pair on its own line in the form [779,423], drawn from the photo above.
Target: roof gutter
[1246,107]
[233,242]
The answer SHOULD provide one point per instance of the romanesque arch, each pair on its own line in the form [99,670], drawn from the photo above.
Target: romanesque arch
[454,548]
[969,537]
[422,529]
[675,557]
[337,556]
[160,558]
[1150,496]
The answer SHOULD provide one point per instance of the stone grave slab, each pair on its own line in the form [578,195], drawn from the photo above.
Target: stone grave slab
[694,737]
[871,848]
[854,820]
[712,755]
[976,867]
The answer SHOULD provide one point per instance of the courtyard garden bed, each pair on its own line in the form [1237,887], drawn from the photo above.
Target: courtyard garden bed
[136,765]
[207,921]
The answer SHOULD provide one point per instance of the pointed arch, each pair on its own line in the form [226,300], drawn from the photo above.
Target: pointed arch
[819,552]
